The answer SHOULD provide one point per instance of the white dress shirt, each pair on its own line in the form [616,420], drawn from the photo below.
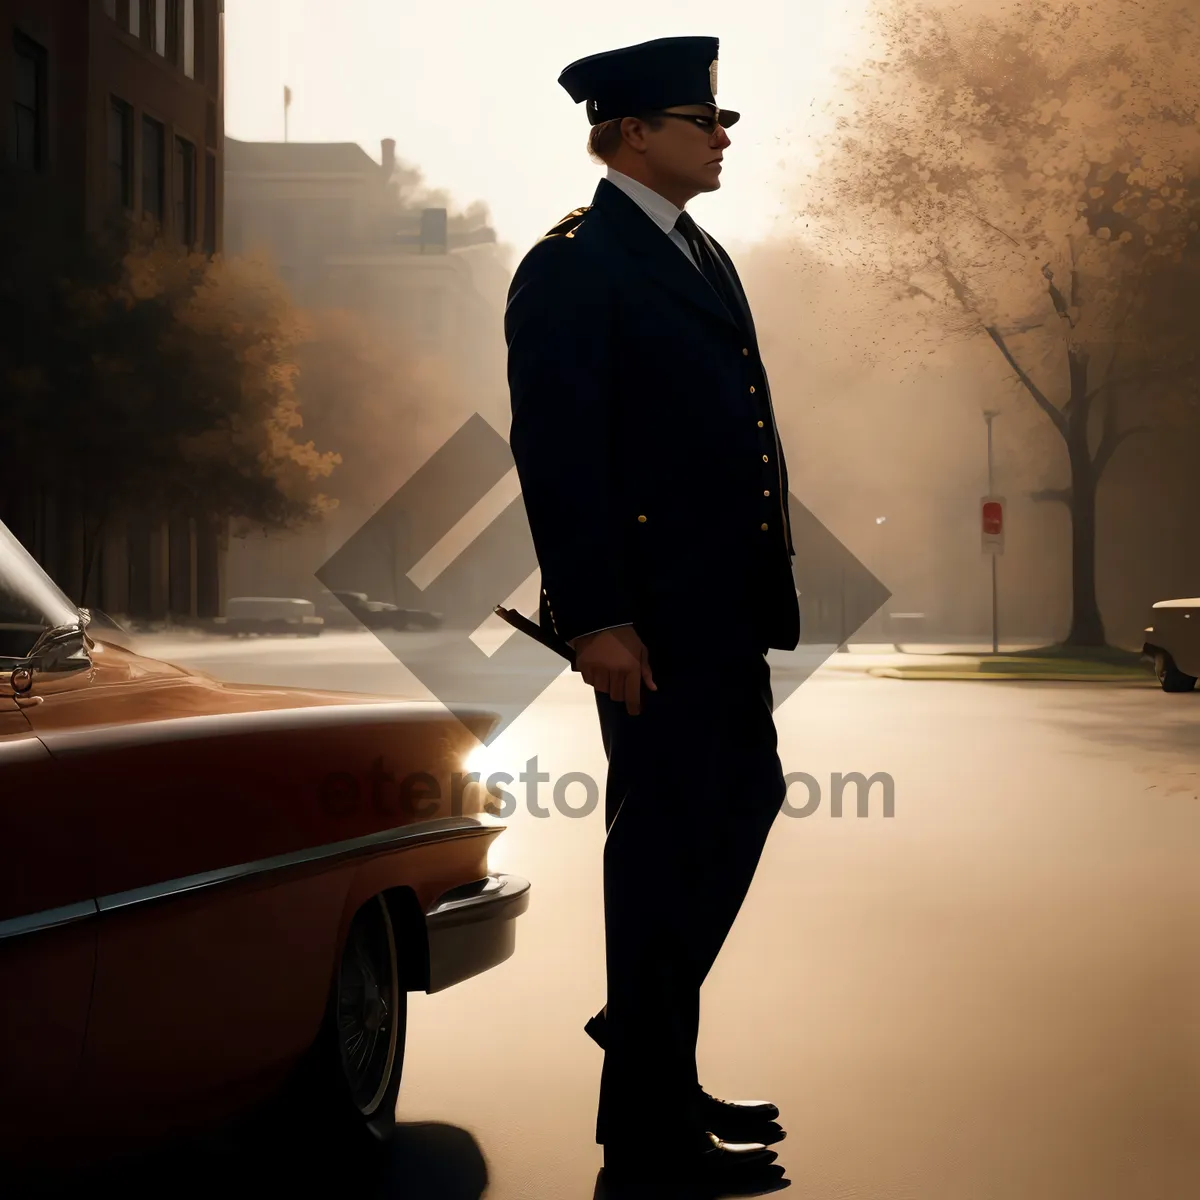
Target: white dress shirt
[664,214]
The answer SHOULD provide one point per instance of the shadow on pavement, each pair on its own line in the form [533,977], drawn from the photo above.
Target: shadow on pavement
[433,1161]
[422,1161]
[1146,721]
[773,1181]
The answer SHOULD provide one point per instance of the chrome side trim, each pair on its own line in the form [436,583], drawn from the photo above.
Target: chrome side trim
[478,900]
[49,918]
[62,743]
[436,829]
[23,748]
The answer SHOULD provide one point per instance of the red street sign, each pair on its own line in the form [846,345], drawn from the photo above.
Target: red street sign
[991,522]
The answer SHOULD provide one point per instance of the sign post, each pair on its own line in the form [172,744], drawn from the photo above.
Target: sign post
[991,524]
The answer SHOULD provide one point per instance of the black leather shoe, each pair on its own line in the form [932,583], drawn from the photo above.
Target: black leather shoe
[731,1120]
[706,1166]
[740,1120]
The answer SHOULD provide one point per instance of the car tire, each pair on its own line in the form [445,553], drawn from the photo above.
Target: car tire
[349,1085]
[1169,676]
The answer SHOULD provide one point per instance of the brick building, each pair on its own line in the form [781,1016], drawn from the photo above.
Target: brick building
[116,106]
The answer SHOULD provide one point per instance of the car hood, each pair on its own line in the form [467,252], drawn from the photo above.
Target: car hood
[123,688]
[174,774]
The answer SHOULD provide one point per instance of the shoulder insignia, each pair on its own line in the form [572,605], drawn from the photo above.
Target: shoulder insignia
[567,226]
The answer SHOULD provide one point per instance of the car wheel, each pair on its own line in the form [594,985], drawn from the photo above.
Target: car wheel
[1170,677]
[352,1079]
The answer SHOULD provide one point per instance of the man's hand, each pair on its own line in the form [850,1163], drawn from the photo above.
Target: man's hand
[615,661]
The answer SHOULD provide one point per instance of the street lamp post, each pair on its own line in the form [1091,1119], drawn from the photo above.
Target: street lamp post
[988,416]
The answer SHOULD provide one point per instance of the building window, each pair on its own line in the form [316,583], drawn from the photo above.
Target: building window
[185,192]
[135,17]
[210,203]
[26,138]
[189,38]
[120,154]
[201,38]
[160,27]
[153,154]
[110,9]
[174,31]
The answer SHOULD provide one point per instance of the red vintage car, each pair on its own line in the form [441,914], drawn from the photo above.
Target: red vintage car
[210,892]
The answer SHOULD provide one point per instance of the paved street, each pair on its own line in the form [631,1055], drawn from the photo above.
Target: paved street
[995,993]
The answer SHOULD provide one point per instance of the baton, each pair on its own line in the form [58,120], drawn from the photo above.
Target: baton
[532,629]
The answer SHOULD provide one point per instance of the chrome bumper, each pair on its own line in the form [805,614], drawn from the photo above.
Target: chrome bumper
[473,928]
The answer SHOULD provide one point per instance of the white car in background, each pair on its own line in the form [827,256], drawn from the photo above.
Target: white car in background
[1173,643]
[269,614]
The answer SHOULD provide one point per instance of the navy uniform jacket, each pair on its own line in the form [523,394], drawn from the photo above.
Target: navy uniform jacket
[653,478]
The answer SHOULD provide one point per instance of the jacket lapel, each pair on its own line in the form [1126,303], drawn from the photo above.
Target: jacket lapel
[735,287]
[653,252]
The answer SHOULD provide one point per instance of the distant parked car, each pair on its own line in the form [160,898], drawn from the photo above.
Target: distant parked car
[358,609]
[269,614]
[355,609]
[340,610]
[1173,643]
[417,618]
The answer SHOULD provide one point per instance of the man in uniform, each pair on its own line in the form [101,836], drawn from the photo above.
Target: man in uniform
[656,492]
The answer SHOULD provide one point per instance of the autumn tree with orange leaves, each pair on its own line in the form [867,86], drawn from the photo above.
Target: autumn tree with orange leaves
[1032,177]
[139,378]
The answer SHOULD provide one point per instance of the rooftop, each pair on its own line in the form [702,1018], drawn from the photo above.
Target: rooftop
[299,157]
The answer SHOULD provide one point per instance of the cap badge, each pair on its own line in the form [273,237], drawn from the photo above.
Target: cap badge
[712,76]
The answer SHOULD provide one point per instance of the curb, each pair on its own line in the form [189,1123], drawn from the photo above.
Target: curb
[1130,678]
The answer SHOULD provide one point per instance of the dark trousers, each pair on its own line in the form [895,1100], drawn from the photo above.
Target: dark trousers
[694,783]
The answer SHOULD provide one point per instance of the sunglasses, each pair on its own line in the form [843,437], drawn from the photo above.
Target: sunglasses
[707,123]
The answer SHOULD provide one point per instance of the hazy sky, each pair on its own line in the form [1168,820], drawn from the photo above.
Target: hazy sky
[469,91]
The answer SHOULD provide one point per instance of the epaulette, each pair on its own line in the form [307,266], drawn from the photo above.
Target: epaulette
[567,226]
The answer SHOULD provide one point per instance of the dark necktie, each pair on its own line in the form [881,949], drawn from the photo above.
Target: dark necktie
[691,235]
[708,265]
